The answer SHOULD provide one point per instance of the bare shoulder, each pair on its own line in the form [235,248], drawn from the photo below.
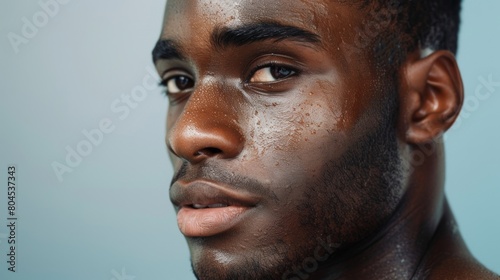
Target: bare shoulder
[449,258]
[459,268]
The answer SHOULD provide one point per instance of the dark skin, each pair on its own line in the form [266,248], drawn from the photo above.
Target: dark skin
[306,146]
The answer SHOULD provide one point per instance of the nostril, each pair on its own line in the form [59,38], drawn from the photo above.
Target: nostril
[208,152]
[197,142]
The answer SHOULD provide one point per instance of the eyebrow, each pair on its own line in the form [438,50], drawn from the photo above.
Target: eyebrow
[166,49]
[243,35]
[251,33]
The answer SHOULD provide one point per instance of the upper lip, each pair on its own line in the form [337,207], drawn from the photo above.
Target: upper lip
[204,193]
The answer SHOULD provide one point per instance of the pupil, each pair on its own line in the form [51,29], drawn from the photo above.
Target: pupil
[183,83]
[280,72]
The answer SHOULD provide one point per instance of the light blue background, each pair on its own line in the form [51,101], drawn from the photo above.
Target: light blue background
[112,216]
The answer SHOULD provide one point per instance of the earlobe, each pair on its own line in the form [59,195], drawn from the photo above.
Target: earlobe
[433,96]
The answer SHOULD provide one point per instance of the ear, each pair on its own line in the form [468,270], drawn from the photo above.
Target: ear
[431,96]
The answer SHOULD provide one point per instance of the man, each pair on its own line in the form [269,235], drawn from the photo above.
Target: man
[306,137]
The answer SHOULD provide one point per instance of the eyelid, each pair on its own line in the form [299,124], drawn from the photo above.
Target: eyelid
[168,74]
[272,59]
[254,72]
[258,67]
[274,87]
[166,77]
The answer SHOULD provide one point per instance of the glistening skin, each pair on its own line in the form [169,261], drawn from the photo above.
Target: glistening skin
[280,137]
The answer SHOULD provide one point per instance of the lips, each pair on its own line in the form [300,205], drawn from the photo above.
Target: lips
[206,208]
[200,206]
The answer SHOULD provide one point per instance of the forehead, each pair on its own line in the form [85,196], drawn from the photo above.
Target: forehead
[233,12]
[198,18]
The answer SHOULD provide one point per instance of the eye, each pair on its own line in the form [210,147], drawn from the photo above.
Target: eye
[272,73]
[178,83]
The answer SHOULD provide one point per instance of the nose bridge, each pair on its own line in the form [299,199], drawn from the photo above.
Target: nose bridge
[207,126]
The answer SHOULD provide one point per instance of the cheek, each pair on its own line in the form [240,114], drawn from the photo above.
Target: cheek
[292,140]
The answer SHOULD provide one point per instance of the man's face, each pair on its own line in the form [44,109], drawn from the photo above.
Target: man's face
[283,141]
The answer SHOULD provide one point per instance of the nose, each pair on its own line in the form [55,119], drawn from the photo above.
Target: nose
[205,129]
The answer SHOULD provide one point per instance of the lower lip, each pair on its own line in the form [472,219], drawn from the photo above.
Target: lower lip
[208,221]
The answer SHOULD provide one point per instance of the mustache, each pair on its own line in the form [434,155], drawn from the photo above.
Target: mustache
[217,174]
[178,174]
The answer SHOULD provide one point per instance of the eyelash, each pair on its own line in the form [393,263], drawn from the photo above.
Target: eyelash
[296,72]
[164,82]
[271,64]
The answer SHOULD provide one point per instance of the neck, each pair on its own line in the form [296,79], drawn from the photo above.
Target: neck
[399,248]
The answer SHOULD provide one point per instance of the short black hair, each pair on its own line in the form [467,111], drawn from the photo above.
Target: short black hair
[433,24]
[414,24]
